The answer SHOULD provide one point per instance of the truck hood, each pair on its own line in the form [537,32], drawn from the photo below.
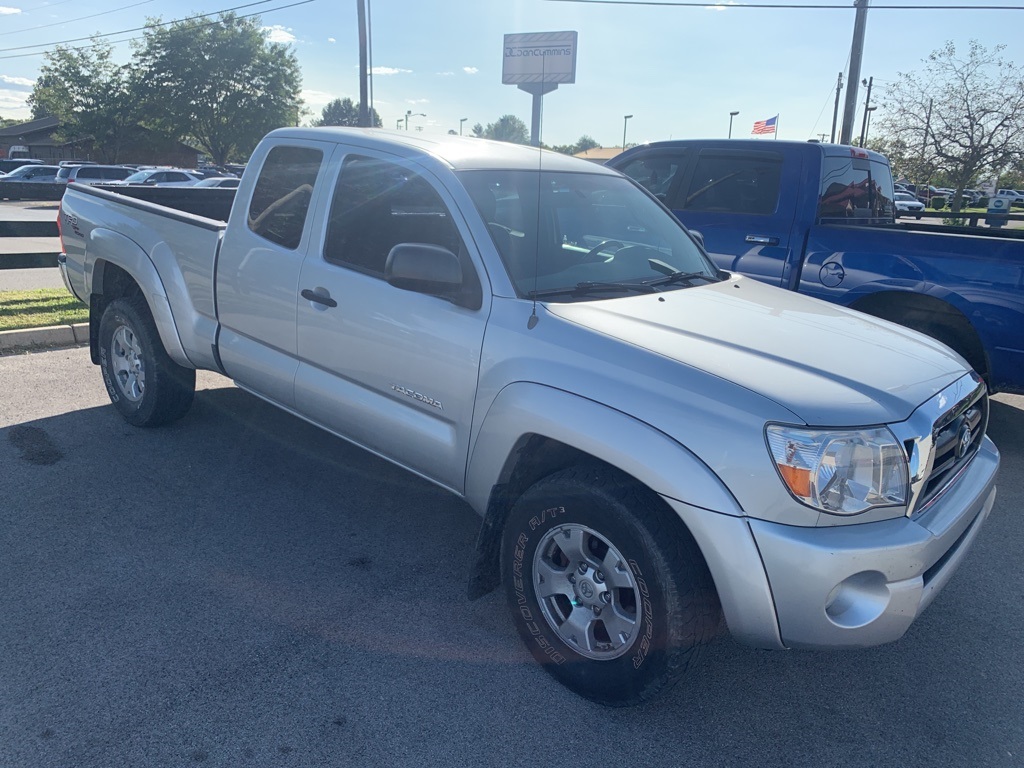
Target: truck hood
[829,365]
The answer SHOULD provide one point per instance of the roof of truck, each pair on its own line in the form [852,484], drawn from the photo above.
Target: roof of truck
[458,152]
[765,145]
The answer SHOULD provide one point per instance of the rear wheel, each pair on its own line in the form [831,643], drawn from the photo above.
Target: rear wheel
[608,592]
[144,384]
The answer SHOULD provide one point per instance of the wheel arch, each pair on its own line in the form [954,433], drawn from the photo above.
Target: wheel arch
[123,270]
[531,431]
[926,313]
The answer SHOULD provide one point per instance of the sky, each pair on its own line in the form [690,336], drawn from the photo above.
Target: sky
[679,71]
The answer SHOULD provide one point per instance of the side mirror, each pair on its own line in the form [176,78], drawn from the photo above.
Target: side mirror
[698,238]
[424,268]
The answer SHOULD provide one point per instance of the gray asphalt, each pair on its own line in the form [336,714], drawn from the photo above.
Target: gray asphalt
[242,589]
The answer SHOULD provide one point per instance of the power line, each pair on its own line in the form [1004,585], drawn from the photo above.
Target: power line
[80,18]
[139,29]
[163,24]
[726,4]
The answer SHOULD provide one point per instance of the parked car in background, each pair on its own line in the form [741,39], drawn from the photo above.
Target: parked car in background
[92,174]
[907,203]
[1016,197]
[164,177]
[819,219]
[30,182]
[36,173]
[224,182]
[7,164]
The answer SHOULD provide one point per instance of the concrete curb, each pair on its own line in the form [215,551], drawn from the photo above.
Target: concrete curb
[29,339]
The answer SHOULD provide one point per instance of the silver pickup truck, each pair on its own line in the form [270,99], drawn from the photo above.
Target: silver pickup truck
[653,444]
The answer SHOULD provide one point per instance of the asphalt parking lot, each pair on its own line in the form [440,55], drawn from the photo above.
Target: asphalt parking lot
[242,589]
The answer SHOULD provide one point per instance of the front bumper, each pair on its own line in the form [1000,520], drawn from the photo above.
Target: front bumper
[861,585]
[846,586]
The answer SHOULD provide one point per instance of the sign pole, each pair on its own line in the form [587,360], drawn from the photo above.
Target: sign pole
[537,90]
[537,62]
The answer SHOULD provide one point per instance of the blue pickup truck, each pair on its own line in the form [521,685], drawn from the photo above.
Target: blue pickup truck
[818,219]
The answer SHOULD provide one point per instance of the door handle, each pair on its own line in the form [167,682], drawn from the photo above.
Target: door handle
[762,239]
[319,298]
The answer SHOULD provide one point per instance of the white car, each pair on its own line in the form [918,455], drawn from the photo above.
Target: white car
[1013,195]
[224,182]
[164,177]
[906,203]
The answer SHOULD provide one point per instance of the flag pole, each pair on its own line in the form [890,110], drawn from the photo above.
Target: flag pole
[776,127]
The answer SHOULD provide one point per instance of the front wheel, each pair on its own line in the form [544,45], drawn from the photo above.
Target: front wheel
[144,384]
[607,591]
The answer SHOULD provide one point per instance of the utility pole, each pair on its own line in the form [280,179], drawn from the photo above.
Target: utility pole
[867,108]
[856,55]
[835,109]
[364,99]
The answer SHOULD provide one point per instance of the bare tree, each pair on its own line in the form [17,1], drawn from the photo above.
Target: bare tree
[963,114]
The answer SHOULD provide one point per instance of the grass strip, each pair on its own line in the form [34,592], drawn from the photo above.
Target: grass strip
[39,309]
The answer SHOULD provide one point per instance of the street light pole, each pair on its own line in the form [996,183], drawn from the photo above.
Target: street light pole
[408,114]
[867,108]
[731,116]
[461,121]
[867,125]
[625,122]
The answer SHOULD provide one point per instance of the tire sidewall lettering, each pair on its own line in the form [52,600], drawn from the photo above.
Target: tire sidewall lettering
[532,625]
[644,647]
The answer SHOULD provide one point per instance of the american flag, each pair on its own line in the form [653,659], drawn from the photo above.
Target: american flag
[764,126]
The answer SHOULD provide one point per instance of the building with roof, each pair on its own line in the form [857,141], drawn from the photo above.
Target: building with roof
[41,139]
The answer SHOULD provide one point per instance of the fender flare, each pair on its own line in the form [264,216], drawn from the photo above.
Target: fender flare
[524,409]
[125,253]
[607,434]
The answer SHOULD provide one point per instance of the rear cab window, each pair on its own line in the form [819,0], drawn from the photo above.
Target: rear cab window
[280,200]
[855,188]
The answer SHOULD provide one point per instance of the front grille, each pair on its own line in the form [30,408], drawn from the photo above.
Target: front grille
[956,438]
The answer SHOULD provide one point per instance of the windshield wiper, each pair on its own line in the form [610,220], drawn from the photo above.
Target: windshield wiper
[681,277]
[589,287]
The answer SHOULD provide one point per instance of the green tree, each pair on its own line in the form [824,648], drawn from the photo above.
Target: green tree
[91,96]
[583,143]
[220,86]
[977,113]
[478,130]
[507,128]
[344,112]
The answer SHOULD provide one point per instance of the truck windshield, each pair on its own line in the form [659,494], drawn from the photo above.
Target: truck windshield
[559,234]
[855,190]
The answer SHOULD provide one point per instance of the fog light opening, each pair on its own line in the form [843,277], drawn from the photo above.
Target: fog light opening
[858,600]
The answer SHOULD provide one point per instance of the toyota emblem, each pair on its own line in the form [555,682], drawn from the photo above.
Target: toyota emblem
[963,445]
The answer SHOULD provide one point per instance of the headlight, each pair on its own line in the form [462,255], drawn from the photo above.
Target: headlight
[840,471]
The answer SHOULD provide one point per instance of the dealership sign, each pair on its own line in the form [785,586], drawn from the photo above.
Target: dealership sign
[539,57]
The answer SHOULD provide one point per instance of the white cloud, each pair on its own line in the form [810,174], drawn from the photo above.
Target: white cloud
[470,70]
[390,71]
[17,81]
[331,40]
[316,100]
[417,101]
[12,104]
[279,34]
[5,11]
[446,74]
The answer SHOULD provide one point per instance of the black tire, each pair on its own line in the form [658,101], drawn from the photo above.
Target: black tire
[144,384]
[668,602]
